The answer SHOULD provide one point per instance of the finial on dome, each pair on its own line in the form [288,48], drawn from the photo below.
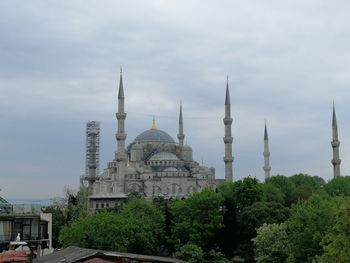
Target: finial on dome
[154,126]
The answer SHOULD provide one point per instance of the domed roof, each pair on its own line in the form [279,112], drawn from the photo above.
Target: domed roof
[154,135]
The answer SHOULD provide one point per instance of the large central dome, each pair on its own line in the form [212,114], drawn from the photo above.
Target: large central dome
[154,135]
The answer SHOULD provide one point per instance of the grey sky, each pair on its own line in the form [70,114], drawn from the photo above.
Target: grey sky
[59,68]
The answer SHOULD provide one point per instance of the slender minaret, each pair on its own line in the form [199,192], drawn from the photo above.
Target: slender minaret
[335,145]
[181,135]
[121,115]
[267,167]
[228,159]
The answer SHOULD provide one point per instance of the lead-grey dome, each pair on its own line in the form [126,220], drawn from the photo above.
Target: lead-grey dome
[154,135]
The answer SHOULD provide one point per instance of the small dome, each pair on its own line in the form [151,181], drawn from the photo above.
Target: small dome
[154,135]
[164,156]
[136,146]
[186,148]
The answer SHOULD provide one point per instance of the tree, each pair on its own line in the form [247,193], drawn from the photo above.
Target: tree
[197,219]
[338,186]
[309,222]
[314,182]
[336,244]
[284,184]
[271,243]
[271,193]
[246,192]
[58,222]
[305,185]
[227,237]
[237,196]
[77,204]
[254,216]
[136,228]
[191,253]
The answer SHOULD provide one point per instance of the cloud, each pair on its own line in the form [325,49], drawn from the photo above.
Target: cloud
[59,68]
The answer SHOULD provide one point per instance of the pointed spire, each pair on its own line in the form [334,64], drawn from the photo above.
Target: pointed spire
[334,118]
[228,158]
[121,89]
[266,137]
[335,145]
[266,154]
[227,99]
[180,116]
[154,126]
[181,134]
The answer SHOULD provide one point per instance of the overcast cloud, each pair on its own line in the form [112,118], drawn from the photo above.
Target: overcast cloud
[59,68]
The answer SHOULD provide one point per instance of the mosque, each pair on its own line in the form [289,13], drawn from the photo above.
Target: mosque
[154,165]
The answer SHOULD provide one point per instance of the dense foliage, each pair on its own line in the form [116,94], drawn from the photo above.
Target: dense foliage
[300,218]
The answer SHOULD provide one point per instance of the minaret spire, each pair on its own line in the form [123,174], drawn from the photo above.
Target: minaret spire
[335,145]
[267,167]
[154,126]
[228,159]
[181,134]
[121,116]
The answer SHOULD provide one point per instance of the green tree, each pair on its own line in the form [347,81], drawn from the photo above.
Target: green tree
[338,186]
[314,182]
[197,219]
[305,186]
[227,237]
[271,193]
[308,224]
[191,253]
[77,204]
[336,244]
[236,196]
[271,244]
[136,228]
[254,216]
[246,192]
[58,222]
[284,184]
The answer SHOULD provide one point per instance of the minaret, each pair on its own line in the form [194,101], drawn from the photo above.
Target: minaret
[335,145]
[181,135]
[267,167]
[121,115]
[228,159]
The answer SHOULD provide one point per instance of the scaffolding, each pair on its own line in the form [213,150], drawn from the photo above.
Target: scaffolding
[92,147]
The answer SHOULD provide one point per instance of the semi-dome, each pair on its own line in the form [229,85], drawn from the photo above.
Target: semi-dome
[154,135]
[164,156]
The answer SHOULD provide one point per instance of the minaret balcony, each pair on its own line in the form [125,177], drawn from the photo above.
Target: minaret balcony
[228,159]
[120,115]
[120,136]
[267,168]
[266,154]
[336,161]
[228,139]
[335,144]
[227,121]
[180,136]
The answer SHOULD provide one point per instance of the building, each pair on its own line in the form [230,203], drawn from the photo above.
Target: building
[154,164]
[32,227]
[76,254]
